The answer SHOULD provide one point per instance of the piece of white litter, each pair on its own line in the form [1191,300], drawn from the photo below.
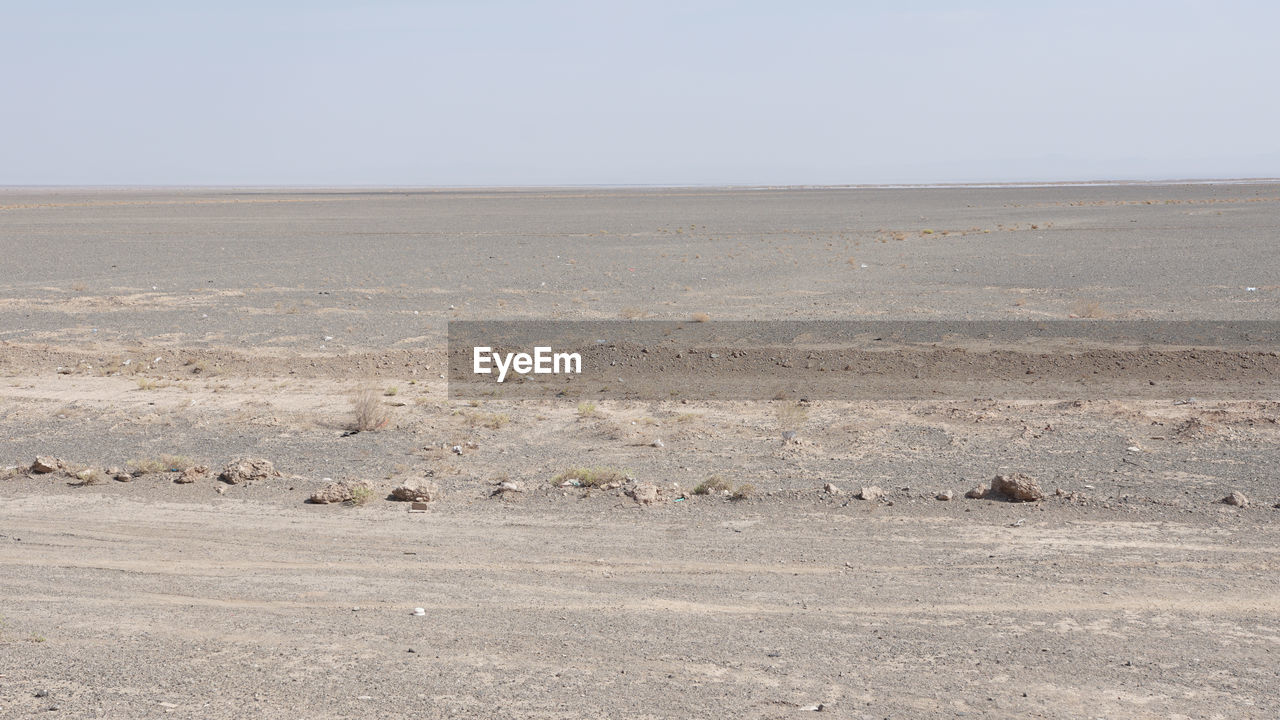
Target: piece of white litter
[1251,289]
[327,338]
[864,266]
[1134,448]
[127,361]
[419,611]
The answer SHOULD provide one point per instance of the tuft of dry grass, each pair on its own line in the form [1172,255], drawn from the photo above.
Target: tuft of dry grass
[369,412]
[149,384]
[86,477]
[591,477]
[743,492]
[699,317]
[714,485]
[161,464]
[630,313]
[587,409]
[493,421]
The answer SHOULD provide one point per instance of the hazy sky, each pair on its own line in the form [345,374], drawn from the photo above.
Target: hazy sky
[471,92]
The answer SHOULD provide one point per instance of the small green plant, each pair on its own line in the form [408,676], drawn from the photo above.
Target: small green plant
[587,409]
[360,495]
[714,485]
[148,384]
[391,391]
[591,476]
[36,638]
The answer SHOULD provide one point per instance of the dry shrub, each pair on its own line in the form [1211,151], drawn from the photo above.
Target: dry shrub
[369,412]
[161,464]
[714,485]
[700,317]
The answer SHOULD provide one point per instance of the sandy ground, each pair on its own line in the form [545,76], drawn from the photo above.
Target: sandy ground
[216,325]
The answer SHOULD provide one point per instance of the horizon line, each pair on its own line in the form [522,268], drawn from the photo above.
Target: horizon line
[652,186]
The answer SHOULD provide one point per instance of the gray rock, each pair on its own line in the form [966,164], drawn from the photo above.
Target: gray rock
[978,492]
[1018,486]
[832,489]
[245,471]
[871,493]
[417,490]
[192,474]
[644,493]
[1236,498]
[46,464]
[945,495]
[336,492]
[506,486]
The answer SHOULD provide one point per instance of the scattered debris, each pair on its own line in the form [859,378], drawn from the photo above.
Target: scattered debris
[245,471]
[1018,487]
[657,442]
[417,490]
[457,449]
[1236,498]
[192,474]
[978,492]
[871,493]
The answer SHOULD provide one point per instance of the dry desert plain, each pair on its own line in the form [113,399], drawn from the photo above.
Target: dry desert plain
[149,330]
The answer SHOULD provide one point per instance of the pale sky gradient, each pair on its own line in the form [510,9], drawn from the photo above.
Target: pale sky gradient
[469,92]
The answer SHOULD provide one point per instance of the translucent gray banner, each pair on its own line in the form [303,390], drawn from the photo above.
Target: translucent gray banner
[745,360]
